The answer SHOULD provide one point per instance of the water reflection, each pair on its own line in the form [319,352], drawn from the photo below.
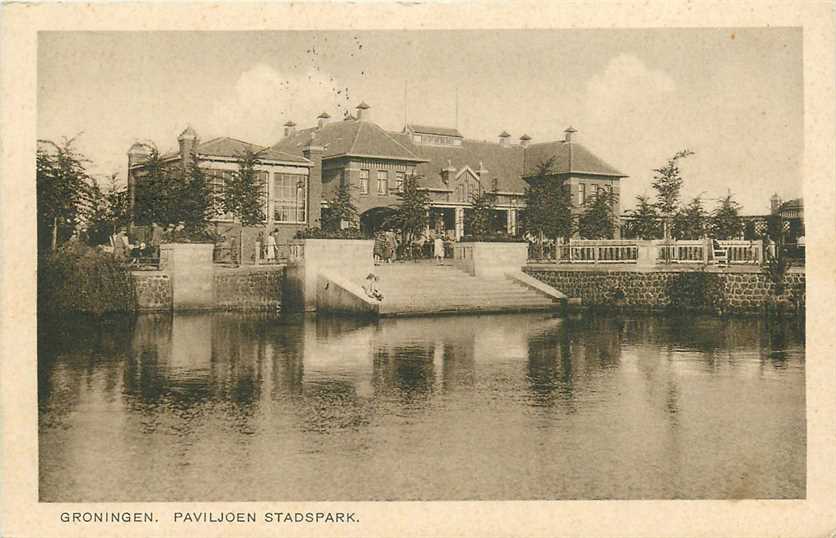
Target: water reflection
[464,407]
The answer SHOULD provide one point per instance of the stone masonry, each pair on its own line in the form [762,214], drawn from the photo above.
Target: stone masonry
[153,290]
[249,288]
[725,291]
[243,288]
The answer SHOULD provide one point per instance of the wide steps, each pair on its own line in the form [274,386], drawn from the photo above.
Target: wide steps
[413,289]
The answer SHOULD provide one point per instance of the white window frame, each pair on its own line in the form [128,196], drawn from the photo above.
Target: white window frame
[382,180]
[364,181]
[287,208]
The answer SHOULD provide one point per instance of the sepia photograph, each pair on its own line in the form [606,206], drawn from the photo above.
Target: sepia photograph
[421,265]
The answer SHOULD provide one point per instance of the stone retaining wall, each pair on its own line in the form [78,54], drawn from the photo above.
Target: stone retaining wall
[243,288]
[717,291]
[153,290]
[249,288]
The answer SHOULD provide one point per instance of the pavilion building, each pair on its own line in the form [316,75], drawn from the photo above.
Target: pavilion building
[305,168]
[373,162]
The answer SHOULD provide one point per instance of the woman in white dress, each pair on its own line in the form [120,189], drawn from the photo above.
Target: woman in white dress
[438,248]
[271,246]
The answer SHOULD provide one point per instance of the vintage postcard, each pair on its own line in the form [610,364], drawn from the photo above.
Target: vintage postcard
[430,269]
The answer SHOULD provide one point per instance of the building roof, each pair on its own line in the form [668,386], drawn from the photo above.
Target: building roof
[349,137]
[232,148]
[426,129]
[506,164]
[569,157]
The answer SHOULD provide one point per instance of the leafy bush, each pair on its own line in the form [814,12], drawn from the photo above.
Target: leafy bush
[776,268]
[183,235]
[697,290]
[81,279]
[492,238]
[319,233]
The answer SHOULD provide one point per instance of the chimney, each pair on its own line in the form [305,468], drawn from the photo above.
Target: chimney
[289,129]
[322,120]
[364,112]
[503,138]
[136,155]
[448,173]
[774,203]
[188,143]
[524,140]
[569,132]
[483,173]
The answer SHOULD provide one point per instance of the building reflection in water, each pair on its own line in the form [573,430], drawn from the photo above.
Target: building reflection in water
[554,396]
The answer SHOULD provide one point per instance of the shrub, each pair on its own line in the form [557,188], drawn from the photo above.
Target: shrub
[492,238]
[776,268]
[81,279]
[183,235]
[697,290]
[319,233]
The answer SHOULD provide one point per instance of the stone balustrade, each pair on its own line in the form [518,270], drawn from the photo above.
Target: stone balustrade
[655,252]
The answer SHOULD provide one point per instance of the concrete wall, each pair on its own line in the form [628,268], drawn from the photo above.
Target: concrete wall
[339,296]
[243,288]
[728,291]
[347,259]
[190,267]
[491,260]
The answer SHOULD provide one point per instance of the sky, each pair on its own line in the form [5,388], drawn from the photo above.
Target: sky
[636,97]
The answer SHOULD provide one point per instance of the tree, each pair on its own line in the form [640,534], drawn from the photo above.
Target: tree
[106,210]
[340,209]
[481,218]
[690,222]
[548,204]
[118,206]
[643,221]
[598,221]
[667,182]
[157,191]
[725,221]
[244,192]
[170,194]
[196,206]
[61,182]
[412,212]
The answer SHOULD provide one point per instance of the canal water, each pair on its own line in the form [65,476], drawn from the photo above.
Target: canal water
[231,407]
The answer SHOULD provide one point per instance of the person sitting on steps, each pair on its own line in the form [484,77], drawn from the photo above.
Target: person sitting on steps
[371,287]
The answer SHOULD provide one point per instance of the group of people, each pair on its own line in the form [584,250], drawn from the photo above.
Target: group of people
[124,249]
[385,247]
[433,245]
[268,247]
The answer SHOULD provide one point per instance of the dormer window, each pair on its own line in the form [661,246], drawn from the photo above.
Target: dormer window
[434,136]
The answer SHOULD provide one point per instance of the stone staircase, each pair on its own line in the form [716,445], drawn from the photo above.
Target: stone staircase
[426,288]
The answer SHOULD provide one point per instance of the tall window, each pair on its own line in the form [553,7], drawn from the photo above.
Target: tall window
[218,180]
[263,179]
[364,182]
[382,182]
[290,198]
[399,178]
[581,193]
